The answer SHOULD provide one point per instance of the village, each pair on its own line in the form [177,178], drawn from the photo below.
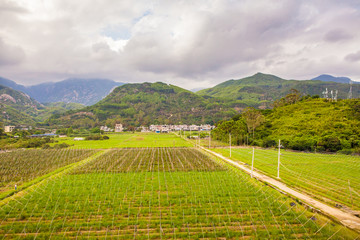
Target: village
[120,128]
[161,128]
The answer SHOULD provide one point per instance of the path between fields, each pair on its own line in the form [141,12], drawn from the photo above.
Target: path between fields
[344,218]
[52,176]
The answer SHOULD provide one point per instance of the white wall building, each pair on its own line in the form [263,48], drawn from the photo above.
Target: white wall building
[9,128]
[119,127]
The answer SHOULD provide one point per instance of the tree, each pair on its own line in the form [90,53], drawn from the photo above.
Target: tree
[253,119]
[70,131]
[95,130]
[291,98]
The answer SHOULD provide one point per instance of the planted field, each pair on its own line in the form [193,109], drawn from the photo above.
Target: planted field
[145,194]
[331,178]
[151,159]
[134,140]
[20,166]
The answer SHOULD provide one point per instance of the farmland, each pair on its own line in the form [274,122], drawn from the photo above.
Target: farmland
[160,193]
[331,178]
[20,166]
[140,192]
[133,140]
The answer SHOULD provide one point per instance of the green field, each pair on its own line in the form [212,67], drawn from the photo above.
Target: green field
[132,140]
[21,166]
[332,178]
[134,190]
[160,193]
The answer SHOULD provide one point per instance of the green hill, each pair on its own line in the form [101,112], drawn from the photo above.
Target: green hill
[17,108]
[307,125]
[260,90]
[315,123]
[145,104]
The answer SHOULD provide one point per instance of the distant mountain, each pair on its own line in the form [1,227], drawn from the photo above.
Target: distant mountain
[9,83]
[329,78]
[74,90]
[147,103]
[17,108]
[260,90]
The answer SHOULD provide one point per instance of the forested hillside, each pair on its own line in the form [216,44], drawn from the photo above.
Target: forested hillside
[261,90]
[310,124]
[145,104]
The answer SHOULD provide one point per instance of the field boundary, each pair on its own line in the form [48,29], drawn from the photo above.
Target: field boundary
[337,215]
[28,187]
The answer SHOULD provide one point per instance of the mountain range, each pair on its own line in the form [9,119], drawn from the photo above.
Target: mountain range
[261,90]
[151,103]
[73,90]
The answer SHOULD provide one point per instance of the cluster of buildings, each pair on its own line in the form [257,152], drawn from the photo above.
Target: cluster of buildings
[162,128]
[9,129]
[172,128]
[118,128]
[152,128]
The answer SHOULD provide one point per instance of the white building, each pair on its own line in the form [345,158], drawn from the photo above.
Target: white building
[9,128]
[106,129]
[119,127]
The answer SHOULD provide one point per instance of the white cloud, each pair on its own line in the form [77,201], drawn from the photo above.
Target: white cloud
[187,43]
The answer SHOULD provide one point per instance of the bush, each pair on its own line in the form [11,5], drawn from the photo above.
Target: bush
[96,137]
[330,143]
[346,151]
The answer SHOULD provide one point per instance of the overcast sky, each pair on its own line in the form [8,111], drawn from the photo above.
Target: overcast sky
[187,43]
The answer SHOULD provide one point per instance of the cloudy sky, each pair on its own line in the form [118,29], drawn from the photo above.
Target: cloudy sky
[188,43]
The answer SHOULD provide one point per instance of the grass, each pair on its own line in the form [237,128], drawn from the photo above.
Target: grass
[331,178]
[129,140]
[143,194]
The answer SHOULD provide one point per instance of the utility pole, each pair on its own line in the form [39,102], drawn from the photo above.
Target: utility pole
[278,169]
[199,139]
[230,143]
[350,91]
[252,162]
[209,139]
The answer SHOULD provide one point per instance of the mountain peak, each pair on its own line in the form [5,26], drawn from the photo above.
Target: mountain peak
[330,78]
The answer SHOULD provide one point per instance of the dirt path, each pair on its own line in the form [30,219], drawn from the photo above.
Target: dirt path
[344,218]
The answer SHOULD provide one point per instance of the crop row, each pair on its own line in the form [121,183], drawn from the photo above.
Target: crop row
[19,166]
[152,159]
[332,178]
[159,203]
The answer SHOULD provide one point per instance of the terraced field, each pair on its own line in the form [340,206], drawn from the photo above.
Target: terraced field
[160,193]
[334,179]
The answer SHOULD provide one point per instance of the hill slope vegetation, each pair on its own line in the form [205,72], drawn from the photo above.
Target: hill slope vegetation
[260,90]
[145,104]
[308,125]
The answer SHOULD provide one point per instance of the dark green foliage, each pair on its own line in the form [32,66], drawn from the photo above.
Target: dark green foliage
[238,130]
[96,137]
